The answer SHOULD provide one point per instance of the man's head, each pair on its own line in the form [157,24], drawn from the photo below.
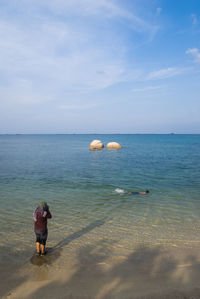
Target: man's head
[147,191]
[44,205]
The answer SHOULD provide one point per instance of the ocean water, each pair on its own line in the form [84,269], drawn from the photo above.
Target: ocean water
[80,188]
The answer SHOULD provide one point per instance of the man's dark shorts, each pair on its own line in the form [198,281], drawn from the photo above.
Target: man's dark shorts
[41,236]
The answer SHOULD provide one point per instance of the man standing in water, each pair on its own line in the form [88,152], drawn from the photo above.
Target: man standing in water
[40,217]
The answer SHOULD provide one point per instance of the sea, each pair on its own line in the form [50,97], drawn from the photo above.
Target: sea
[88,192]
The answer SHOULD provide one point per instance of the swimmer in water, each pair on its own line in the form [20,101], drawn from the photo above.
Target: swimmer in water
[140,192]
[122,191]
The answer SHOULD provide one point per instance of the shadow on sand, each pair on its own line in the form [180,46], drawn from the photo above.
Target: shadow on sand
[12,280]
[146,273]
[54,252]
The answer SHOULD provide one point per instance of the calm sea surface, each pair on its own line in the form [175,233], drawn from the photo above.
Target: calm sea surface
[79,186]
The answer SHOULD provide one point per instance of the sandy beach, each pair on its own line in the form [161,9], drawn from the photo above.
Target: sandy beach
[93,271]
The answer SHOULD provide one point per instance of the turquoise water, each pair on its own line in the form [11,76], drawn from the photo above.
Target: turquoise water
[79,186]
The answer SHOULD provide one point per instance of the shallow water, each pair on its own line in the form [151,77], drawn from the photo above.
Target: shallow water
[80,188]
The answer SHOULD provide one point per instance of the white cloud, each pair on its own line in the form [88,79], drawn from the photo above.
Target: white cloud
[69,55]
[194,19]
[158,11]
[195,54]
[55,54]
[108,9]
[78,107]
[147,88]
[165,73]
[22,93]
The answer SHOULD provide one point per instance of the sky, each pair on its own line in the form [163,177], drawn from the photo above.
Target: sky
[99,66]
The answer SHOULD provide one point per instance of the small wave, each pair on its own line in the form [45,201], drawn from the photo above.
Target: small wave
[120,191]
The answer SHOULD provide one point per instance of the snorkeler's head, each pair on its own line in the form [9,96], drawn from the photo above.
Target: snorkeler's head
[147,191]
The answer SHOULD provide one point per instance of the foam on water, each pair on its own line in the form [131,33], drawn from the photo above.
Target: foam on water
[120,191]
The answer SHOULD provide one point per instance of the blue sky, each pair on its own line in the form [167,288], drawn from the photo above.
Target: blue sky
[99,66]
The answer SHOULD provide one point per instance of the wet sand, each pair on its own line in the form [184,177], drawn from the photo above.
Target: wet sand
[94,271]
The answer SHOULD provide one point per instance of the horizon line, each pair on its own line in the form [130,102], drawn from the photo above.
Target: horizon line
[172,133]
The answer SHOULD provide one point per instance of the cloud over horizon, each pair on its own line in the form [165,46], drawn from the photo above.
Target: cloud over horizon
[195,54]
[165,73]
[59,57]
[66,53]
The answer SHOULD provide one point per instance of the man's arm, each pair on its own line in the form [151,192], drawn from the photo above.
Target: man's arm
[49,214]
